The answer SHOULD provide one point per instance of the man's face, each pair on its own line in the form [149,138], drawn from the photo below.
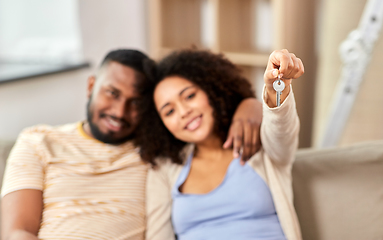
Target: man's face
[112,104]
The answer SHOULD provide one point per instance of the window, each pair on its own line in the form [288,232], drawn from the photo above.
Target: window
[39,31]
[37,35]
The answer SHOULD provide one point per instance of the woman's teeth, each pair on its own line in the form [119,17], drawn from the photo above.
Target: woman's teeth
[194,124]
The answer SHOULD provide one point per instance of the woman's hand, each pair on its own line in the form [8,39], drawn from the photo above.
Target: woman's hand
[286,65]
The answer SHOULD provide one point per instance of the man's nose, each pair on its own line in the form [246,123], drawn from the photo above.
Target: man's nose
[119,108]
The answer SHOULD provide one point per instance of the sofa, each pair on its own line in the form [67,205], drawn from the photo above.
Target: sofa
[338,192]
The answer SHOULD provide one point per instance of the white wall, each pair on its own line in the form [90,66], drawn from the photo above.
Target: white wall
[61,98]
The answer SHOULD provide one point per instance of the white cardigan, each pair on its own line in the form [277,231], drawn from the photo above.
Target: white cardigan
[279,135]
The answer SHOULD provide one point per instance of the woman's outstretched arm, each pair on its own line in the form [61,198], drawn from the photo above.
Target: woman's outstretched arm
[280,128]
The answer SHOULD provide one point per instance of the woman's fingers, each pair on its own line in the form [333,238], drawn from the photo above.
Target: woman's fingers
[300,68]
[271,75]
[286,64]
[282,61]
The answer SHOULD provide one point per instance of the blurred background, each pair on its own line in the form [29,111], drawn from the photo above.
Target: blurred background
[49,48]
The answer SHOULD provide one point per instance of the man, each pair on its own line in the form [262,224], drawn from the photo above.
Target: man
[85,180]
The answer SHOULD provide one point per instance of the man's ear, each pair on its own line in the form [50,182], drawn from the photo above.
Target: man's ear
[91,84]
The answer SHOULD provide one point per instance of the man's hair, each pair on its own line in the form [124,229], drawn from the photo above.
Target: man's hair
[145,68]
[128,57]
[215,75]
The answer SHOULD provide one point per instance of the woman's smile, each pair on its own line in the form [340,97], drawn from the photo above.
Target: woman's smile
[194,123]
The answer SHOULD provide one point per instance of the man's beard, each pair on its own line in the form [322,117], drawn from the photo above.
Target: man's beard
[104,137]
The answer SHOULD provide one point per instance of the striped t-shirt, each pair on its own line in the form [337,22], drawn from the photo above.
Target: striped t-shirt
[91,190]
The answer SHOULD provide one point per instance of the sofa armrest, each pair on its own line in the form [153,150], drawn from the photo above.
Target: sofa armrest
[338,192]
[5,148]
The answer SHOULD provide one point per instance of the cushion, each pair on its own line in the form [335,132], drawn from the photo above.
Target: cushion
[338,192]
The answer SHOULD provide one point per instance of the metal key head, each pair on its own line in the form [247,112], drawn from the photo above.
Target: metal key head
[278,85]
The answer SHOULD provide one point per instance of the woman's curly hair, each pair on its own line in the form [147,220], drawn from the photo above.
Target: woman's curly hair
[215,75]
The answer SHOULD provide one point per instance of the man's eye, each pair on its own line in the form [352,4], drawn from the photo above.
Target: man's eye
[112,93]
[134,102]
[168,113]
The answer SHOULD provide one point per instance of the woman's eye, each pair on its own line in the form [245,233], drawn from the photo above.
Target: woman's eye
[168,113]
[190,96]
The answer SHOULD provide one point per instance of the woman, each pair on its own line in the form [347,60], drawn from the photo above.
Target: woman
[197,190]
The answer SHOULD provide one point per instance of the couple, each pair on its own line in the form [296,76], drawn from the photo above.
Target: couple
[86,181]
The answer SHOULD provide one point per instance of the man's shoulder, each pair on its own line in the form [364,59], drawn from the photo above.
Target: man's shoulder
[44,130]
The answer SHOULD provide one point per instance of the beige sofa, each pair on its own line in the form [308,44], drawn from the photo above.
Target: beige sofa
[338,192]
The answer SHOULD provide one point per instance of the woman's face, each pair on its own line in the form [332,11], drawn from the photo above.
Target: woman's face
[184,109]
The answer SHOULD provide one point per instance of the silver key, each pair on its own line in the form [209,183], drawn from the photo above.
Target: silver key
[279,86]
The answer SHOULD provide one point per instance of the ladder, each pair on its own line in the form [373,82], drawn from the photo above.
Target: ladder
[355,54]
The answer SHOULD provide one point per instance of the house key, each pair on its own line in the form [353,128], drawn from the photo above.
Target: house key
[279,86]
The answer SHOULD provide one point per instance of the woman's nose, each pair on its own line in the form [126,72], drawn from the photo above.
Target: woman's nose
[185,110]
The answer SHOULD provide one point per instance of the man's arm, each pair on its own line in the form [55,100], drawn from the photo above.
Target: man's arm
[22,200]
[21,213]
[245,129]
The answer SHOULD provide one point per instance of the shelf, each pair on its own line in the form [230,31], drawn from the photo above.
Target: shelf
[184,32]
[248,59]
[245,26]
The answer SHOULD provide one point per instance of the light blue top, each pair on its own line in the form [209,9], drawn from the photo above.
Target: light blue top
[241,207]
